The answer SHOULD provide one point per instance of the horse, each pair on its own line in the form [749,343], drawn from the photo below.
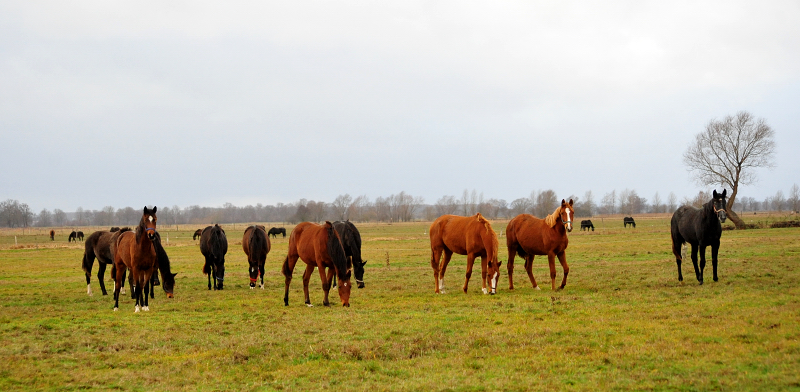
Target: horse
[464,235]
[163,268]
[214,246]
[197,234]
[628,221]
[700,227]
[98,245]
[351,241]
[80,235]
[72,236]
[114,229]
[256,245]
[277,230]
[52,235]
[530,236]
[586,224]
[136,251]
[318,246]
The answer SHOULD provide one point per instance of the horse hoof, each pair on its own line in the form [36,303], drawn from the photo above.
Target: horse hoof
[484,291]
[146,308]
[251,287]
[537,288]
[309,305]
[716,279]
[136,309]
[701,283]
[116,309]
[262,287]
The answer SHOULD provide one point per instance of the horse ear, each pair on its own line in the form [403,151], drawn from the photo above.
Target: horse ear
[363,263]
[715,193]
[175,274]
[571,202]
[145,210]
[155,209]
[563,202]
[723,192]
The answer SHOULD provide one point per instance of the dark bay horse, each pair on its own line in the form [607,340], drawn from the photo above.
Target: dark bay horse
[277,230]
[700,227]
[52,235]
[587,224]
[530,236]
[319,246]
[135,251]
[98,245]
[628,220]
[80,235]
[197,234]
[256,245]
[214,246]
[465,235]
[72,236]
[351,241]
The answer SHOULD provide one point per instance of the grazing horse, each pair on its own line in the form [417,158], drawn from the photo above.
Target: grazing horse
[318,246]
[52,235]
[530,236]
[351,241]
[72,236]
[214,246]
[465,235]
[586,224]
[197,234]
[256,245]
[628,221]
[136,251]
[80,235]
[700,227]
[277,230]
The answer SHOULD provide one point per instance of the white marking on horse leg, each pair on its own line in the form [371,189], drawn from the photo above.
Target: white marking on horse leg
[309,305]
[441,286]
[262,286]
[116,309]
[146,308]
[252,287]
[485,291]
[89,289]
[538,288]
[136,309]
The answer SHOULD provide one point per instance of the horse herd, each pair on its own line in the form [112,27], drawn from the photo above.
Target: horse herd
[334,248]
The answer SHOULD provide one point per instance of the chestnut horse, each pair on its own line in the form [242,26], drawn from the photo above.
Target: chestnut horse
[135,251]
[319,246]
[465,235]
[256,245]
[530,236]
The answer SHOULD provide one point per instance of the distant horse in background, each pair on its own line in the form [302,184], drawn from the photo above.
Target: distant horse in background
[351,241]
[52,235]
[256,245]
[530,236]
[214,246]
[72,236]
[136,251]
[319,246]
[587,224]
[628,221]
[80,235]
[277,230]
[197,234]
[114,229]
[464,235]
[700,227]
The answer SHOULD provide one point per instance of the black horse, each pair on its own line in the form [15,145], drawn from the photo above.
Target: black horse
[98,245]
[114,229]
[700,227]
[351,241]
[197,234]
[628,220]
[72,236]
[277,230]
[586,224]
[80,235]
[214,246]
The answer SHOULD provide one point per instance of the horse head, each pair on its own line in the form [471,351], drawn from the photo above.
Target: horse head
[358,271]
[493,273]
[149,220]
[340,261]
[567,213]
[169,284]
[719,203]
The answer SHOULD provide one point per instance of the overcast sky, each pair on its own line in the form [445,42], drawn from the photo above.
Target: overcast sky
[181,103]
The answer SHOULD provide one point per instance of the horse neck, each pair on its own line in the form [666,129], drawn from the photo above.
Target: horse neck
[708,212]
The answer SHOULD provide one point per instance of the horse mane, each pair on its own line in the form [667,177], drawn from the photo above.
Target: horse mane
[217,237]
[163,263]
[490,232]
[551,219]
[257,242]
[350,237]
[336,252]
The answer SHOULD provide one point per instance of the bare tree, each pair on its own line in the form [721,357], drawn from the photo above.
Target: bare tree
[340,206]
[45,218]
[657,206]
[672,202]
[446,205]
[79,215]
[609,202]
[778,201]
[59,217]
[546,203]
[794,198]
[519,206]
[729,151]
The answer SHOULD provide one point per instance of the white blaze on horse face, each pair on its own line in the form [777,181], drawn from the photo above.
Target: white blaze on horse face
[150,218]
[494,281]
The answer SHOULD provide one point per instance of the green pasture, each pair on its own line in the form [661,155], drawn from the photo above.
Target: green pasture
[623,322]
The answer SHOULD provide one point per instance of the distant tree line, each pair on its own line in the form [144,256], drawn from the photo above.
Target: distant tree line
[400,207]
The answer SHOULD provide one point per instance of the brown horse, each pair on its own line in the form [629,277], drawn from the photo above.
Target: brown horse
[465,235]
[52,235]
[136,251]
[318,246]
[530,236]
[256,245]
[197,234]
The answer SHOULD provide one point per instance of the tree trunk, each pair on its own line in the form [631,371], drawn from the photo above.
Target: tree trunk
[732,215]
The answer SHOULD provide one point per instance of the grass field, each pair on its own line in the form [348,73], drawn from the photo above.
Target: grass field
[623,321]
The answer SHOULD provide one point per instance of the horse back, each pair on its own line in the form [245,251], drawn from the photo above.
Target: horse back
[533,236]
[304,242]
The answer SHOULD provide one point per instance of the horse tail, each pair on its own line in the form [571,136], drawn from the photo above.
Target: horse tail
[257,243]
[336,252]
[677,240]
[285,268]
[219,243]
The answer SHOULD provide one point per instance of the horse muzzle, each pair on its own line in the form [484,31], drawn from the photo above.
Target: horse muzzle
[169,295]
[722,216]
[360,284]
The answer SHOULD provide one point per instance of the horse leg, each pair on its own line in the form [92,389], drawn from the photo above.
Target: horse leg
[562,258]
[551,262]
[436,256]
[88,272]
[512,252]
[132,283]
[696,267]
[529,269]
[443,267]
[287,269]
[702,247]
[119,277]
[484,266]
[101,274]
[261,272]
[470,262]
[326,283]
[714,253]
[148,288]
[306,278]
